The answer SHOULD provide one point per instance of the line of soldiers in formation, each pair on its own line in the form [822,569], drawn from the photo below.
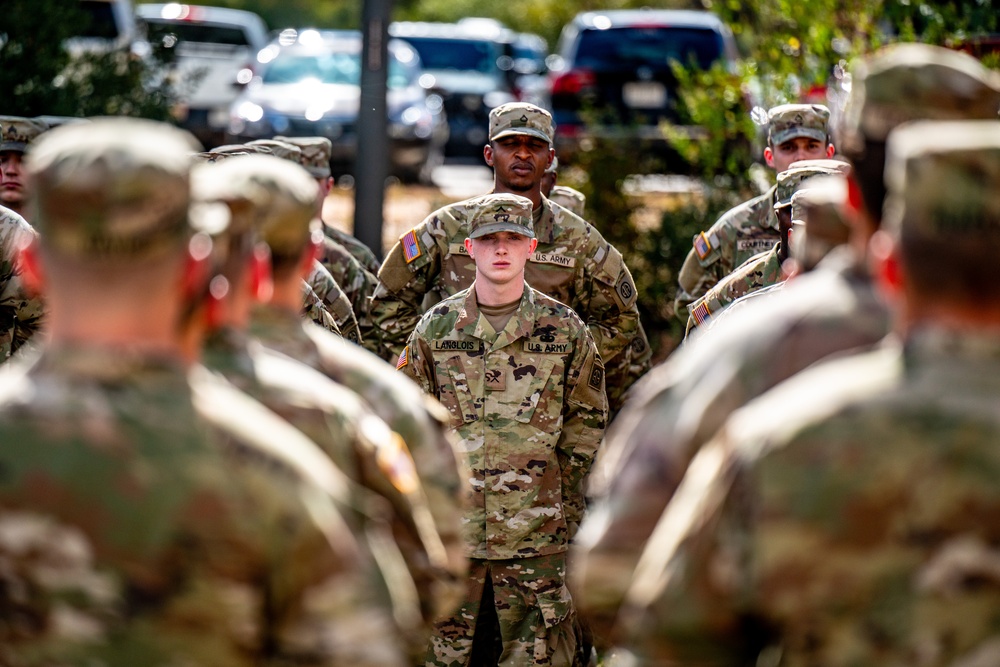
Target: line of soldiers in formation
[193,472]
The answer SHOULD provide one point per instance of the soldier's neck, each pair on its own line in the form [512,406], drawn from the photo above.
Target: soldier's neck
[534,194]
[497,294]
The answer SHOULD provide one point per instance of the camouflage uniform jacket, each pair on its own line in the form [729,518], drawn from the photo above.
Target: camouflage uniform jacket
[681,404]
[741,233]
[529,409]
[760,271]
[20,314]
[358,250]
[357,283]
[330,292]
[572,264]
[420,420]
[314,310]
[148,516]
[860,528]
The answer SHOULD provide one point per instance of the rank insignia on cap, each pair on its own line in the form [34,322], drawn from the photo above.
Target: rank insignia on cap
[404,358]
[411,249]
[702,245]
[701,313]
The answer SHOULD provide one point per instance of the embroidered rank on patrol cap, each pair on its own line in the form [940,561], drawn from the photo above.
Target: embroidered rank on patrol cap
[703,245]
[411,249]
[404,358]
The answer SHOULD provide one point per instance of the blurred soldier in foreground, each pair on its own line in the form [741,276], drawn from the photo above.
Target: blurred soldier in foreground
[795,132]
[146,514]
[272,200]
[573,263]
[829,310]
[522,378]
[864,526]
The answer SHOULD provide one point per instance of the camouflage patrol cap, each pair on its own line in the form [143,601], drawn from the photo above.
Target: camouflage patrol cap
[114,187]
[818,220]
[568,198]
[792,178]
[789,121]
[906,82]
[315,154]
[521,118]
[942,182]
[501,213]
[218,181]
[240,149]
[281,149]
[17,132]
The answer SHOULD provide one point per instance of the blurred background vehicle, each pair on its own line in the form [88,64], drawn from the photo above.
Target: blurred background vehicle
[463,66]
[212,45]
[307,83]
[109,25]
[612,74]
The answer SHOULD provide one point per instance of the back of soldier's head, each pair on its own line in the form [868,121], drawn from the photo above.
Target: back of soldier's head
[819,220]
[908,82]
[943,206]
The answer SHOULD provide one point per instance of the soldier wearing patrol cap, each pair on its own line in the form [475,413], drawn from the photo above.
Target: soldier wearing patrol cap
[795,132]
[522,379]
[573,263]
[16,133]
[835,551]
[161,483]
[567,197]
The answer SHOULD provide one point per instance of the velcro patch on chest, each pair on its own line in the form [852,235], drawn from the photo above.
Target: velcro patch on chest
[456,345]
[458,249]
[542,346]
[495,379]
[553,258]
[755,246]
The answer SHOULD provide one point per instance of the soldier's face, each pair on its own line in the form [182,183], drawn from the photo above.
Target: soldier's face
[519,161]
[500,258]
[793,150]
[11,185]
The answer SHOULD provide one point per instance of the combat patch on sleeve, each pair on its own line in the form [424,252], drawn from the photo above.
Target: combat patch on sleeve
[596,380]
[625,289]
[590,390]
[411,248]
[404,358]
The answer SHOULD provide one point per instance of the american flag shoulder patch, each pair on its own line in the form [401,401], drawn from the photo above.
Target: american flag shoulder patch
[411,249]
[701,313]
[702,245]
[404,358]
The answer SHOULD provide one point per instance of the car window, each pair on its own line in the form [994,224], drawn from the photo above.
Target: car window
[651,46]
[201,33]
[456,54]
[101,19]
[332,68]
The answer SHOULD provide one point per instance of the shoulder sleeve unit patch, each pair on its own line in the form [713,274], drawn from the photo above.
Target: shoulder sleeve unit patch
[411,249]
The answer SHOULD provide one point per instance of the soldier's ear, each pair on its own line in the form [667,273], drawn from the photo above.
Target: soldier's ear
[488,154]
[468,248]
[532,245]
[30,269]
[769,157]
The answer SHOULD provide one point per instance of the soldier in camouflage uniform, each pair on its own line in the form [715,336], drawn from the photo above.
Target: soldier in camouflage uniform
[862,528]
[17,134]
[765,268]
[570,199]
[281,197]
[573,263]
[795,132]
[524,383]
[749,350]
[147,515]
[316,153]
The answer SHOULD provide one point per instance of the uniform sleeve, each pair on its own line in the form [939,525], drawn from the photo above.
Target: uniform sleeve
[584,418]
[355,282]
[409,272]
[416,363]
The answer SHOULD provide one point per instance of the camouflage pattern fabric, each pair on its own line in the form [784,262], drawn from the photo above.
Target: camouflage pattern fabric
[374,458]
[682,403]
[149,518]
[528,409]
[790,121]
[314,310]
[357,284]
[835,551]
[21,314]
[756,273]
[570,199]
[741,233]
[418,419]
[336,301]
[572,264]
[358,250]
[534,609]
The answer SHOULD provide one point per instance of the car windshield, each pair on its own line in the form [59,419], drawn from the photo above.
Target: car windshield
[334,68]
[202,33]
[647,46]
[456,54]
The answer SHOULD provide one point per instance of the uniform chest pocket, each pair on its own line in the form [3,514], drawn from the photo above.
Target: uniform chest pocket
[454,390]
[542,394]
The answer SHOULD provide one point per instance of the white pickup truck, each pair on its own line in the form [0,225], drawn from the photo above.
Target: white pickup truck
[212,45]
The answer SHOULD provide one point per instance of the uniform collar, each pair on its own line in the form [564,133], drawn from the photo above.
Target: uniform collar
[471,320]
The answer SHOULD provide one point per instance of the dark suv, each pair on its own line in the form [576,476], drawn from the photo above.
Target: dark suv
[617,64]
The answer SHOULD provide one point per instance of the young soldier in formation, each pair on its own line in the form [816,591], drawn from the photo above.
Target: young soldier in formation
[573,262]
[521,376]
